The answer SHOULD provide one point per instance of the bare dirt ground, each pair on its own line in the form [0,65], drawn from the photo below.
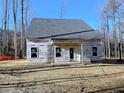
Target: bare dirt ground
[12,63]
[75,78]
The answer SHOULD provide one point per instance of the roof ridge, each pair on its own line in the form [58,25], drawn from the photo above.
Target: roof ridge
[54,19]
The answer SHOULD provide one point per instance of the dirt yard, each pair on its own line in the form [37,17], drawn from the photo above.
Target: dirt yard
[62,79]
[12,63]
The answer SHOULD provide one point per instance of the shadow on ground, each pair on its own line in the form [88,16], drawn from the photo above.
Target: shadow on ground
[113,61]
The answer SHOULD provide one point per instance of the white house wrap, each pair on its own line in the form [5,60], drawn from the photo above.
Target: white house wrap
[61,41]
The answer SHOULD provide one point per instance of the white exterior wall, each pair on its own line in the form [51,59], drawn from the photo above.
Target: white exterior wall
[44,52]
[87,50]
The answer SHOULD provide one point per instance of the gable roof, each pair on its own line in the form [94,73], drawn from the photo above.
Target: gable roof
[57,28]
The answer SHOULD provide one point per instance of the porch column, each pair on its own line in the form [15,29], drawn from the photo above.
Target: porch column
[81,56]
[53,53]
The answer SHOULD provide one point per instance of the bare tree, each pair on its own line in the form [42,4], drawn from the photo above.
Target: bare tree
[26,22]
[5,7]
[26,14]
[113,8]
[22,28]
[107,32]
[15,3]
[8,11]
[112,12]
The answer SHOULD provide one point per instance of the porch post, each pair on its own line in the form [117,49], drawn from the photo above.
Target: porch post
[81,56]
[53,53]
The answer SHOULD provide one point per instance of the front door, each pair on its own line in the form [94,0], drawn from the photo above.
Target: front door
[71,53]
[94,53]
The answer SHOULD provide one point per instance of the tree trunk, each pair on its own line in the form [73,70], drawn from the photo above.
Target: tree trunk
[5,27]
[109,50]
[22,29]
[115,37]
[15,2]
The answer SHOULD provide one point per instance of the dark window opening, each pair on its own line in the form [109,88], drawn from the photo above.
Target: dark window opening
[34,52]
[94,50]
[33,49]
[71,53]
[58,52]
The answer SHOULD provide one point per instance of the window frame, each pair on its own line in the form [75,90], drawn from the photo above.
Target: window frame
[36,52]
[58,54]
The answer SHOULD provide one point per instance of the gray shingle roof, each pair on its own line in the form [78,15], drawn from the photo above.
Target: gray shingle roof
[58,28]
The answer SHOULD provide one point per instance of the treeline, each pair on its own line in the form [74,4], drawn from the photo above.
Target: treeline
[9,48]
[112,22]
[15,16]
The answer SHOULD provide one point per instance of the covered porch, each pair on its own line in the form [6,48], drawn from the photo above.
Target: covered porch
[65,51]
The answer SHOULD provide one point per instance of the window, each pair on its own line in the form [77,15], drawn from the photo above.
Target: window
[94,50]
[34,52]
[58,52]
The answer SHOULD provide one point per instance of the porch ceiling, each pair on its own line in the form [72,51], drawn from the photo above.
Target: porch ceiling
[67,42]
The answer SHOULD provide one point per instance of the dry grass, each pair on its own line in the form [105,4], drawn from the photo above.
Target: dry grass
[11,63]
[69,80]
